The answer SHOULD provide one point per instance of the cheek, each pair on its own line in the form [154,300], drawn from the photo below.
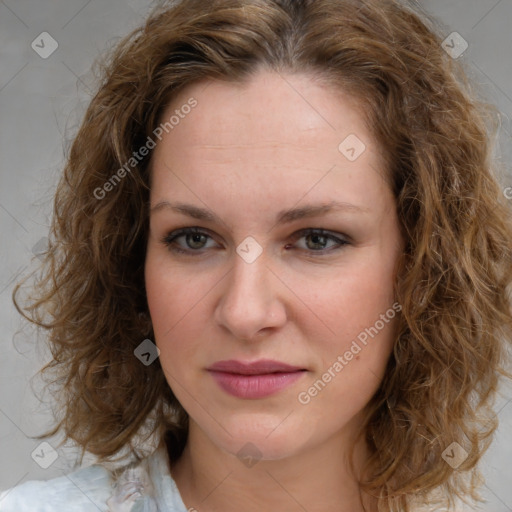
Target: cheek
[358,319]
[176,308]
[352,359]
[171,294]
[177,304]
[351,300]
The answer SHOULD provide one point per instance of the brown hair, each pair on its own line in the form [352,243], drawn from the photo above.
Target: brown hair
[453,277]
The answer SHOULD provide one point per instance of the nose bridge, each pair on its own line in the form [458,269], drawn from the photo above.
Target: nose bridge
[249,302]
[248,284]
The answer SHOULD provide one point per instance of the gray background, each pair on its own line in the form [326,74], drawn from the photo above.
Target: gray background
[41,102]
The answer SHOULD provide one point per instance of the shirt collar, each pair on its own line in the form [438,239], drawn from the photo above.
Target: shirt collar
[167,494]
[149,485]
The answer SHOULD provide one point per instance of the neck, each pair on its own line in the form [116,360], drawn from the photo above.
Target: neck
[318,478]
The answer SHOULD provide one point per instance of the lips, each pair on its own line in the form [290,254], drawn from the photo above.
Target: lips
[254,380]
[261,367]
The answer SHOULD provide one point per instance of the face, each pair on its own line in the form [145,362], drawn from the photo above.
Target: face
[273,240]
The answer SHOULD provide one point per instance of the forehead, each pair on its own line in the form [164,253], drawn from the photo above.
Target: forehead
[286,129]
[269,107]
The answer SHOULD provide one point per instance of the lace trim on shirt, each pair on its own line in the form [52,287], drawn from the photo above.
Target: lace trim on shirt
[133,491]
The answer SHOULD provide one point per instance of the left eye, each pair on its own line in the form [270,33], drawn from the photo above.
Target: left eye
[317,240]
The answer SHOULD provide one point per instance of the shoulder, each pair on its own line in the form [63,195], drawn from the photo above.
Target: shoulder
[84,490]
[145,485]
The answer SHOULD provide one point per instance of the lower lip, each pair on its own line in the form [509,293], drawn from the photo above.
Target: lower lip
[254,386]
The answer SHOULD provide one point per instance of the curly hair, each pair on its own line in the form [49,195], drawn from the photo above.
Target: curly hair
[454,275]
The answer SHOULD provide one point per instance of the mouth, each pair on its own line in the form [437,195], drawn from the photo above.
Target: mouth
[254,380]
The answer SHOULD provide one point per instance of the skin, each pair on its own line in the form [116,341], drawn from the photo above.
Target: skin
[247,152]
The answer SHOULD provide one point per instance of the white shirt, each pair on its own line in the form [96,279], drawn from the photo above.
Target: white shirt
[146,487]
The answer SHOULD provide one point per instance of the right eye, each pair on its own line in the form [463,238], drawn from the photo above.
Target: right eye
[193,238]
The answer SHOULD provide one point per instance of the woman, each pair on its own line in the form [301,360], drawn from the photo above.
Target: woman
[280,248]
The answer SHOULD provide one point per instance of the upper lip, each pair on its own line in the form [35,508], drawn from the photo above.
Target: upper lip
[261,367]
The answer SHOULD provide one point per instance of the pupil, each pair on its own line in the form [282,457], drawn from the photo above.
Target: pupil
[196,238]
[316,238]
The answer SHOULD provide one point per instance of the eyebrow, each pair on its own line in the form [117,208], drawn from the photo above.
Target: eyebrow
[283,217]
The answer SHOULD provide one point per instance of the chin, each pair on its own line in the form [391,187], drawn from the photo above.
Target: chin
[266,438]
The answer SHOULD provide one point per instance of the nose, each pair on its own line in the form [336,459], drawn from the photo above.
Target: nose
[251,303]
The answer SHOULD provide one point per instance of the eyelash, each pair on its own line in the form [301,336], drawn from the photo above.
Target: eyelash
[169,240]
